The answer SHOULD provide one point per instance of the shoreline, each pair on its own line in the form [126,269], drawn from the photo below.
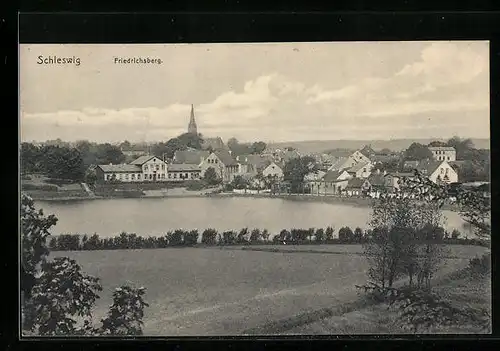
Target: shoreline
[352,201]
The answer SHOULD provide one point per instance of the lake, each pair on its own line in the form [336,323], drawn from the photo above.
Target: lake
[156,216]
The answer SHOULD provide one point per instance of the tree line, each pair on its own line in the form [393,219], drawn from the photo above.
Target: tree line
[212,237]
[67,162]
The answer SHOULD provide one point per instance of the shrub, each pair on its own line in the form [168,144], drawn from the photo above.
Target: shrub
[191,238]
[26,177]
[329,233]
[346,235]
[255,236]
[265,235]
[481,265]
[175,238]
[126,313]
[229,237]
[320,235]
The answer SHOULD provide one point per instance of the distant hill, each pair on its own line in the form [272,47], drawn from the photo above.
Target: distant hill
[315,146]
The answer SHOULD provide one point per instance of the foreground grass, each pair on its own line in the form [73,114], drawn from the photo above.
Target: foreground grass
[460,289]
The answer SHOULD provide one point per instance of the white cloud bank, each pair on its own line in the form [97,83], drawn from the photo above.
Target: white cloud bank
[446,91]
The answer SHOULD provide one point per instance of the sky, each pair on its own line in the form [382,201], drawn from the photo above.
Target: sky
[272,92]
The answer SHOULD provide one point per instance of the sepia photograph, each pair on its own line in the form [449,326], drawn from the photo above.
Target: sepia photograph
[255,189]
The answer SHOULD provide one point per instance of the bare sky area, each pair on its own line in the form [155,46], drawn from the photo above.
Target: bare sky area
[270,92]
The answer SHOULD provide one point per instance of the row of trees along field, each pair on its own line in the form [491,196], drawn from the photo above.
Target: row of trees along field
[58,298]
[405,244]
[211,237]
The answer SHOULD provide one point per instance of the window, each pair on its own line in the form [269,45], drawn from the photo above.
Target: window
[157,167]
[175,175]
[448,158]
[150,176]
[442,170]
[216,161]
[170,176]
[446,171]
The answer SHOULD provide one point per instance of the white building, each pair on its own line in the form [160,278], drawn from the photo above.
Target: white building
[443,153]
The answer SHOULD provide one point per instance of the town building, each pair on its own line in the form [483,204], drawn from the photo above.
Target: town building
[332,183]
[181,172]
[223,163]
[443,153]
[357,187]
[193,157]
[273,170]
[438,171]
[361,169]
[144,168]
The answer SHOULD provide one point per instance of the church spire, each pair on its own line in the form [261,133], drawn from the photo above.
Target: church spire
[192,123]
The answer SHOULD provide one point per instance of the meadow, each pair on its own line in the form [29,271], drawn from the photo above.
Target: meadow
[213,291]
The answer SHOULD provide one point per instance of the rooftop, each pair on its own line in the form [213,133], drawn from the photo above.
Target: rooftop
[123,168]
[180,167]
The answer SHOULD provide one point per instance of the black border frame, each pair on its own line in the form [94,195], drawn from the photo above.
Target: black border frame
[261,27]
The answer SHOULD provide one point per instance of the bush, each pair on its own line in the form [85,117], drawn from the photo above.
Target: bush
[209,237]
[26,177]
[481,265]
[191,238]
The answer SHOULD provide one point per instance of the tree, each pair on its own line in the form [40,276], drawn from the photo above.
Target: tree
[107,153]
[255,236]
[57,294]
[296,169]
[232,143]
[346,235]
[258,147]
[209,237]
[462,146]
[30,158]
[320,235]
[265,235]
[358,235]
[210,176]
[239,182]
[437,143]
[417,152]
[329,233]
[126,313]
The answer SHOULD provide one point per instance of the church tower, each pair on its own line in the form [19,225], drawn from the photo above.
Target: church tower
[192,123]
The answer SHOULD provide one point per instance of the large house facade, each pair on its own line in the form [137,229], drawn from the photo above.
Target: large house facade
[142,169]
[443,153]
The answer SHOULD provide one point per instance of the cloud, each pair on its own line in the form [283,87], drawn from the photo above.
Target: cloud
[448,81]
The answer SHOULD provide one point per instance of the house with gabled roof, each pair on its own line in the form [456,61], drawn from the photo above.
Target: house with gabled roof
[214,144]
[225,166]
[273,170]
[194,157]
[357,187]
[361,169]
[144,168]
[438,171]
[332,183]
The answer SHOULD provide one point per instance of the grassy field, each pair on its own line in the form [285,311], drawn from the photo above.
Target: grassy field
[195,291]
[461,291]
